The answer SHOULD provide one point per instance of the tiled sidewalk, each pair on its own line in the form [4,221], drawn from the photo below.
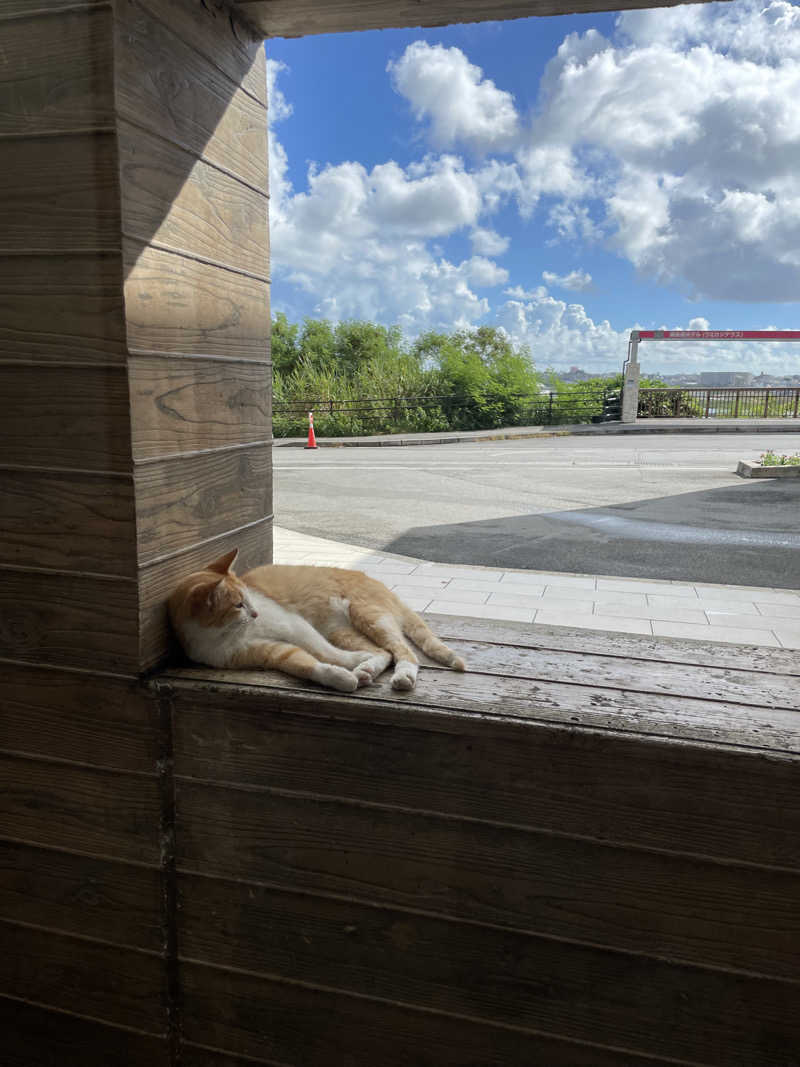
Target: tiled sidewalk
[732,613]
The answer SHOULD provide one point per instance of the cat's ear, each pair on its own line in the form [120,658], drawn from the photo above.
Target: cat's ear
[224,563]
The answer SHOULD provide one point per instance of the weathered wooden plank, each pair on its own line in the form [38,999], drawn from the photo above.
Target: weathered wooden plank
[64,417]
[285,1024]
[80,522]
[727,803]
[61,308]
[166,86]
[655,715]
[69,620]
[675,907]
[298,18]
[182,405]
[189,499]
[628,646]
[34,1036]
[179,305]
[213,30]
[157,580]
[70,715]
[104,982]
[70,84]
[178,201]
[105,813]
[101,899]
[674,679]
[566,990]
[69,208]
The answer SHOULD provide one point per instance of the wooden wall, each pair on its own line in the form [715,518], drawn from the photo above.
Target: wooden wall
[192,126]
[135,383]
[565,857]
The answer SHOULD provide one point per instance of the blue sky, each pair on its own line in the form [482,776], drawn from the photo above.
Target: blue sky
[564,178]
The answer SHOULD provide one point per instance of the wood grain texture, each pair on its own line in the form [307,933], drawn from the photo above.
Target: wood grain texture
[166,86]
[182,405]
[283,1024]
[70,85]
[62,308]
[671,906]
[108,983]
[34,1036]
[633,647]
[185,500]
[102,899]
[156,582]
[68,620]
[213,30]
[80,522]
[69,715]
[181,306]
[178,201]
[718,802]
[298,18]
[104,813]
[653,715]
[66,208]
[573,991]
[64,417]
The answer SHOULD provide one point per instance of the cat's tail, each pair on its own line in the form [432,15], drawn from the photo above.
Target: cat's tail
[421,634]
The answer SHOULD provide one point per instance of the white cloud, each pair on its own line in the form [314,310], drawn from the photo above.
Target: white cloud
[484,273]
[489,242]
[576,280]
[462,106]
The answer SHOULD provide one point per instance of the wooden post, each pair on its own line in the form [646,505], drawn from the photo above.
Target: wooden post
[134,370]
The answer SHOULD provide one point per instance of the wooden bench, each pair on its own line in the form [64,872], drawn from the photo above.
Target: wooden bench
[585,851]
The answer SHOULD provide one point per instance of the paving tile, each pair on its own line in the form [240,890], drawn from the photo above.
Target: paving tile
[464,596]
[424,581]
[519,600]
[481,611]
[394,566]
[439,570]
[642,585]
[715,633]
[744,607]
[742,620]
[475,583]
[789,637]
[599,596]
[586,621]
[560,581]
[404,590]
[778,611]
[673,612]
[743,592]
[575,607]
[415,601]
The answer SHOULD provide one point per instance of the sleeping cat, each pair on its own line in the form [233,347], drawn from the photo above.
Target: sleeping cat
[337,627]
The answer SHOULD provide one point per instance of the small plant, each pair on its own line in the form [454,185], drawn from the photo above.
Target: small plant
[772,459]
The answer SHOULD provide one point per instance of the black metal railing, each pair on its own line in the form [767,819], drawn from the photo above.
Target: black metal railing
[720,403]
[443,411]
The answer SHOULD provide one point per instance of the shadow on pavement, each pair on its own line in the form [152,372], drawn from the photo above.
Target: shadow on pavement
[736,535]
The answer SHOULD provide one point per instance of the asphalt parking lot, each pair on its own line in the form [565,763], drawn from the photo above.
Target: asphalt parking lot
[646,506]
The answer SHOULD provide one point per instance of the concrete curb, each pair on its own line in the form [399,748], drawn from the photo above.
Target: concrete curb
[518,433]
[775,470]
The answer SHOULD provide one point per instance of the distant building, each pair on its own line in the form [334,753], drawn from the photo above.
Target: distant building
[722,379]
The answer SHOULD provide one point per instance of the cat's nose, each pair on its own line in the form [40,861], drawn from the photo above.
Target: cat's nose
[253,614]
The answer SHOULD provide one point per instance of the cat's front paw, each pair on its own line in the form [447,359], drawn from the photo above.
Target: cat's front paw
[369,670]
[337,678]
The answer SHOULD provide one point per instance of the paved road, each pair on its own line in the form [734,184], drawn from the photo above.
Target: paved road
[660,506]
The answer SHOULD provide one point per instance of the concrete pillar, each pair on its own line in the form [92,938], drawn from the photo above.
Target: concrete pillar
[630,385]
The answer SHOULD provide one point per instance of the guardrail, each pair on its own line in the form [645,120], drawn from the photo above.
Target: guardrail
[720,403]
[447,410]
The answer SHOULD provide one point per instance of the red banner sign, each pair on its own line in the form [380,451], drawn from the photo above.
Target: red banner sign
[715,335]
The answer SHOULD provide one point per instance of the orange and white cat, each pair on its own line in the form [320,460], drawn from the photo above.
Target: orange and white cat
[337,627]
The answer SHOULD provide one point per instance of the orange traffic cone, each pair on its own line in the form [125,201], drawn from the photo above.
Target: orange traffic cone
[312,441]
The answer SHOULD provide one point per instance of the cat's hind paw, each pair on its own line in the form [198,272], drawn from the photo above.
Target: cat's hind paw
[337,678]
[369,670]
[405,675]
